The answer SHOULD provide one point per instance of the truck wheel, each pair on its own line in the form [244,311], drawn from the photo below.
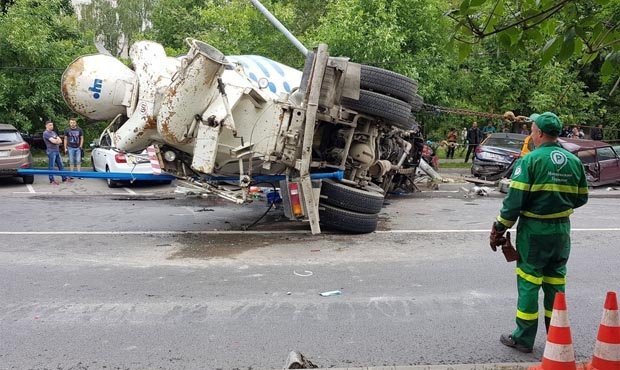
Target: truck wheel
[416,103]
[348,221]
[388,83]
[394,111]
[350,198]
[28,179]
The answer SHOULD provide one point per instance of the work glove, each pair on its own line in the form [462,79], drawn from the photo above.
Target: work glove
[509,251]
[496,238]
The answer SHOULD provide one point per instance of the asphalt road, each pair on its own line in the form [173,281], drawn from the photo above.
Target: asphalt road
[139,278]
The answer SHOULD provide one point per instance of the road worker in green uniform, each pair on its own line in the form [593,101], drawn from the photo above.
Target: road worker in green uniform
[547,184]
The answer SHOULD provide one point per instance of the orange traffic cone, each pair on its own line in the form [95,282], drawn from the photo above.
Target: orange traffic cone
[559,353]
[607,348]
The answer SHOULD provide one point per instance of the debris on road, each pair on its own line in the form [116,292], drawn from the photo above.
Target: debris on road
[330,293]
[296,360]
[305,274]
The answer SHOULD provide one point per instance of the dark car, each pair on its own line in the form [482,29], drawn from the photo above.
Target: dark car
[36,140]
[599,159]
[494,156]
[14,153]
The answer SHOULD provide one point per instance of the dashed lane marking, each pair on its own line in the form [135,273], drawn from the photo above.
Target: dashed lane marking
[233,232]
[30,188]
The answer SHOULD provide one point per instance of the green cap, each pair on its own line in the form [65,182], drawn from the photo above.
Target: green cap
[549,123]
[534,116]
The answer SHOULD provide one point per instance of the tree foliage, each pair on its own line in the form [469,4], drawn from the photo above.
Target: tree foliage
[38,39]
[585,29]
[116,24]
[486,55]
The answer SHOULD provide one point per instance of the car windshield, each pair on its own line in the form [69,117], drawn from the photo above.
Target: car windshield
[504,142]
[9,137]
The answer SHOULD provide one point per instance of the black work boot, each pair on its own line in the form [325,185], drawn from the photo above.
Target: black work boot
[507,340]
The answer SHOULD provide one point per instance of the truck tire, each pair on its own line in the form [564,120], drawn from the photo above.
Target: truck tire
[388,83]
[348,221]
[395,111]
[350,198]
[417,103]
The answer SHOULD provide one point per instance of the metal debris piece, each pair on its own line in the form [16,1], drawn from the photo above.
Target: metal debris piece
[331,293]
[305,274]
[296,360]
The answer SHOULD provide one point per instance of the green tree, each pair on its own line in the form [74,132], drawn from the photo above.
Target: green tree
[232,26]
[38,39]
[116,24]
[586,29]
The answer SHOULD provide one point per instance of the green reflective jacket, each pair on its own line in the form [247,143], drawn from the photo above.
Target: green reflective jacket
[547,183]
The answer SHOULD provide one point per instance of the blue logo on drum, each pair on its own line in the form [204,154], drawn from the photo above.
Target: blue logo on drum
[96,88]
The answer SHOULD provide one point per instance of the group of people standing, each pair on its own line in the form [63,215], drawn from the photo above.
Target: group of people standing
[73,146]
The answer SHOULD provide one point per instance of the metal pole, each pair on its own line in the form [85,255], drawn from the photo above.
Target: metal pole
[276,23]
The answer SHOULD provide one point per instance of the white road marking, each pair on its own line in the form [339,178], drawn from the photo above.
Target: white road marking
[30,188]
[130,191]
[257,232]
[27,192]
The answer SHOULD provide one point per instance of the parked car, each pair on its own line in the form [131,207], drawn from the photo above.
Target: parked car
[601,161]
[495,155]
[14,153]
[105,157]
[36,141]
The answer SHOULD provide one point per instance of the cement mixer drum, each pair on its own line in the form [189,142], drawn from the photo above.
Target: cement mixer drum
[99,87]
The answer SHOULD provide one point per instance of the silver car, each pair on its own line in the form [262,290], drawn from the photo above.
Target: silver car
[14,153]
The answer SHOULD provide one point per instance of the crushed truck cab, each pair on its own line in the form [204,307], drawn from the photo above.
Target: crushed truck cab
[334,138]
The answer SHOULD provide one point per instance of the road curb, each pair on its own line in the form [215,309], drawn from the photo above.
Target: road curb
[492,366]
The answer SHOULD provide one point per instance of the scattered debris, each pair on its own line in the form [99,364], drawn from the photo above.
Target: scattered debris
[483,191]
[305,274]
[296,360]
[611,188]
[504,185]
[330,293]
[315,250]
[204,210]
[289,293]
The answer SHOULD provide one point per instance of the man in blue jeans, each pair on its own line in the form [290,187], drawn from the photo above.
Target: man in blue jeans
[52,143]
[74,142]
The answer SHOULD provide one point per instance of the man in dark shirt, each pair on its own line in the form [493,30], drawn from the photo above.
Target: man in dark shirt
[474,137]
[74,142]
[52,144]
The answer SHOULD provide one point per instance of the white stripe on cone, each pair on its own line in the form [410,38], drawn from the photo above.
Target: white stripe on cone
[610,318]
[559,352]
[559,319]
[607,351]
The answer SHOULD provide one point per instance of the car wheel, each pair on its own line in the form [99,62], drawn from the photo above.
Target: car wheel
[348,221]
[395,111]
[388,83]
[29,179]
[350,198]
[112,183]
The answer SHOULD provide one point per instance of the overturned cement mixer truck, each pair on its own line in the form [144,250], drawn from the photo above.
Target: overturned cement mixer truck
[334,138]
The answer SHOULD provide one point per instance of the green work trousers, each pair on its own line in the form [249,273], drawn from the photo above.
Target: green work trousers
[543,246]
